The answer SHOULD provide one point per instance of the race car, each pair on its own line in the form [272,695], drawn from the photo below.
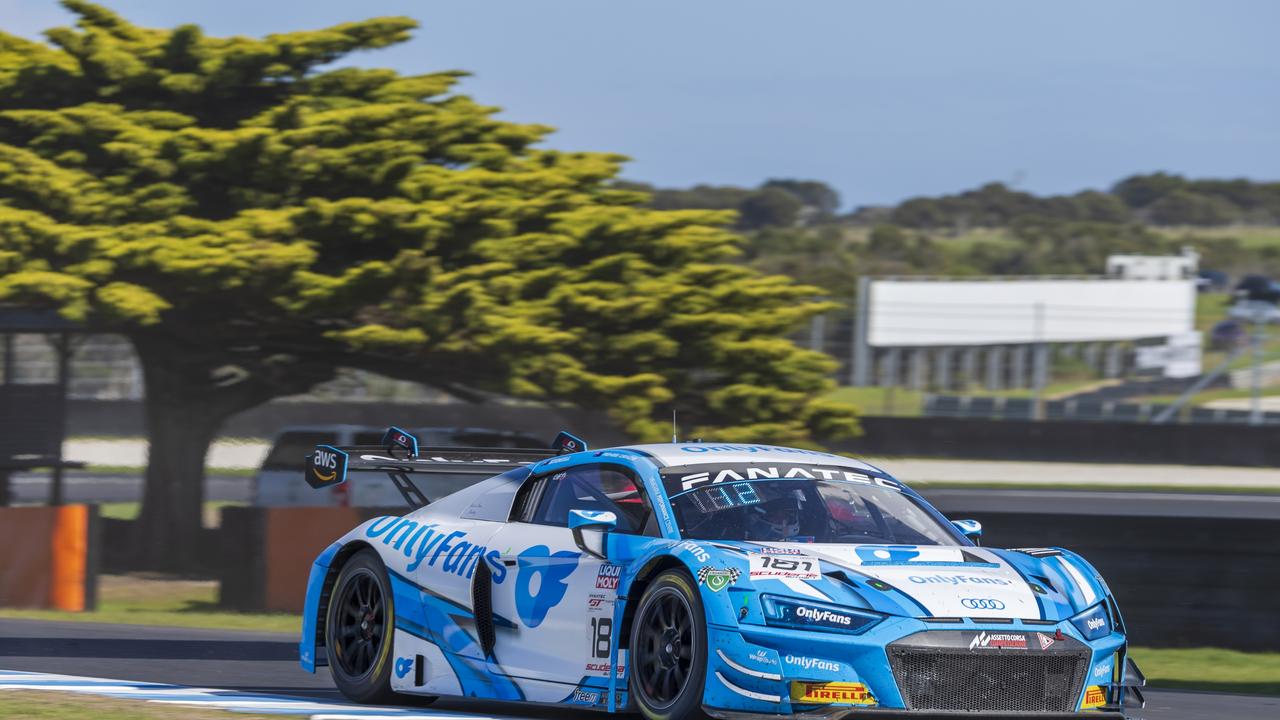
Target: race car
[686,579]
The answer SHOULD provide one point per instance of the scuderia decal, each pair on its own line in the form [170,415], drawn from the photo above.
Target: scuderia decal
[678,480]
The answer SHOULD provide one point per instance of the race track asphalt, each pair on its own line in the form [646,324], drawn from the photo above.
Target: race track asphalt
[267,663]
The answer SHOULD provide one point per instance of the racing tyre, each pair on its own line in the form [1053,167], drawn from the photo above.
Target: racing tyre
[358,630]
[668,653]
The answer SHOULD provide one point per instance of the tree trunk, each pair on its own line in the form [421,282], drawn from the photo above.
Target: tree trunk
[170,528]
[189,395]
[181,424]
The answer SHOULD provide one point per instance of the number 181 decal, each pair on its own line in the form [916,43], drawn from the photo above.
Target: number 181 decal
[797,567]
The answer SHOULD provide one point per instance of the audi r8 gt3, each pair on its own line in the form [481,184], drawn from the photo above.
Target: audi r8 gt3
[689,578]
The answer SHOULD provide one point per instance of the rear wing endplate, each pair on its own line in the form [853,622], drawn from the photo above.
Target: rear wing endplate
[400,456]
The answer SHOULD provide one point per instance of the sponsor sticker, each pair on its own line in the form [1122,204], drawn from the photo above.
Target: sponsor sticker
[803,663]
[797,567]
[762,657]
[607,577]
[831,693]
[779,551]
[403,666]
[956,580]
[717,579]
[1103,670]
[982,603]
[585,697]
[1093,697]
[695,550]
[999,641]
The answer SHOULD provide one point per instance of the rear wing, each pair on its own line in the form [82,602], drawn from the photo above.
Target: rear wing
[399,456]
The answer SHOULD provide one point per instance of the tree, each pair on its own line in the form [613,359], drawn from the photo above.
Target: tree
[769,207]
[254,220]
[815,195]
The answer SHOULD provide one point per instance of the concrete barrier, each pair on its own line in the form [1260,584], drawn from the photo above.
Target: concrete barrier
[49,557]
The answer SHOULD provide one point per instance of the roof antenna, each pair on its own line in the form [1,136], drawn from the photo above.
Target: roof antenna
[674,439]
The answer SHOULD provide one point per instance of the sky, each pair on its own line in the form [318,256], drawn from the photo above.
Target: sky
[882,100]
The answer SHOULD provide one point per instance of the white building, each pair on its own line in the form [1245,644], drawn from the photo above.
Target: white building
[1155,267]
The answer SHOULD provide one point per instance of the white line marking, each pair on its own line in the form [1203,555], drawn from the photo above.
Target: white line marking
[230,700]
[748,693]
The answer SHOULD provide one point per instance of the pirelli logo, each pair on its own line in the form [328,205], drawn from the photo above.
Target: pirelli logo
[1093,697]
[831,693]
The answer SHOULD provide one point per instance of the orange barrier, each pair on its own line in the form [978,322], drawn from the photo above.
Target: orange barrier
[293,538]
[46,557]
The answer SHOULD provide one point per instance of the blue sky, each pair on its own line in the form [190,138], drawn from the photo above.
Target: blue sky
[883,100]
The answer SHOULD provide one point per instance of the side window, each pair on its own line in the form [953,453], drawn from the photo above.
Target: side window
[595,487]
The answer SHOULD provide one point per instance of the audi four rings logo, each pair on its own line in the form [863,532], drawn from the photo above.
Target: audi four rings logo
[982,604]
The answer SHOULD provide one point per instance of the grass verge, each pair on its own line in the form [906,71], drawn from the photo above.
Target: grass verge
[1210,669]
[149,600]
[47,705]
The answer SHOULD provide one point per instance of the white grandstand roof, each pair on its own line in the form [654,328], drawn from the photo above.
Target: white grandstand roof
[723,453]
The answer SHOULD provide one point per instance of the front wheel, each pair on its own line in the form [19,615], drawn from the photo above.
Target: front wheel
[669,649]
[358,630]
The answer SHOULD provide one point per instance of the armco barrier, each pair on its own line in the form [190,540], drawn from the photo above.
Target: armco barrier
[1181,582]
[1065,441]
[49,557]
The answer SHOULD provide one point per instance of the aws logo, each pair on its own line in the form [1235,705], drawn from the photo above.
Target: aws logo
[541,584]
[326,466]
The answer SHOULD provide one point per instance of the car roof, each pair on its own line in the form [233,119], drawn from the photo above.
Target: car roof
[681,454]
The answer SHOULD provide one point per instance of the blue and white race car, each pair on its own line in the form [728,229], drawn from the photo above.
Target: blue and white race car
[682,579]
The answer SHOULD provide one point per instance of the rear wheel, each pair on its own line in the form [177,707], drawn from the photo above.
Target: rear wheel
[668,653]
[358,629]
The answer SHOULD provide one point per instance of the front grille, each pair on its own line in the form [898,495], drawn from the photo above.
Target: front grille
[955,680]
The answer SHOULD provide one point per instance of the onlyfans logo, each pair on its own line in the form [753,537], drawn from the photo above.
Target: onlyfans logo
[821,616]
[808,663]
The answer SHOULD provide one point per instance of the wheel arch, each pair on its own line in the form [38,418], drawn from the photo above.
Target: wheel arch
[650,570]
[339,560]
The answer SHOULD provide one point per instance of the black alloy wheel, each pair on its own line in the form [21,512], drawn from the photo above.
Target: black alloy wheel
[669,649]
[358,630]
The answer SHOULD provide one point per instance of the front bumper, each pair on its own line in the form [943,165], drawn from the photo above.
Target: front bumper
[907,666]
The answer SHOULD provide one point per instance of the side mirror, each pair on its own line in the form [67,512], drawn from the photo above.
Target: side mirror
[580,520]
[971,529]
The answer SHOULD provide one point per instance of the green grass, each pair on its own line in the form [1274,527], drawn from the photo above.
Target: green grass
[50,705]
[146,600]
[137,470]
[880,401]
[1210,669]
[130,510]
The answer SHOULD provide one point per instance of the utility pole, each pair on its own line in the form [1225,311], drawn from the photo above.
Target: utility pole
[860,370]
[1259,334]
[1040,366]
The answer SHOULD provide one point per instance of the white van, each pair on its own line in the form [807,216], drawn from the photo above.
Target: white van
[279,481]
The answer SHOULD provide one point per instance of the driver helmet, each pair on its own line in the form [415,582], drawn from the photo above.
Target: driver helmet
[777,519]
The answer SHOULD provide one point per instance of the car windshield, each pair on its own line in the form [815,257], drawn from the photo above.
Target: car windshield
[800,509]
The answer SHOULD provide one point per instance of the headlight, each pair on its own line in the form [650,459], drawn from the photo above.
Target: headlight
[806,615]
[1093,623]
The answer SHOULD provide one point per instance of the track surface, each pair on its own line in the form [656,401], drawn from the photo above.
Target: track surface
[267,663]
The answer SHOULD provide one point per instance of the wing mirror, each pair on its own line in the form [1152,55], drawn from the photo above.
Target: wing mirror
[971,529]
[580,520]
